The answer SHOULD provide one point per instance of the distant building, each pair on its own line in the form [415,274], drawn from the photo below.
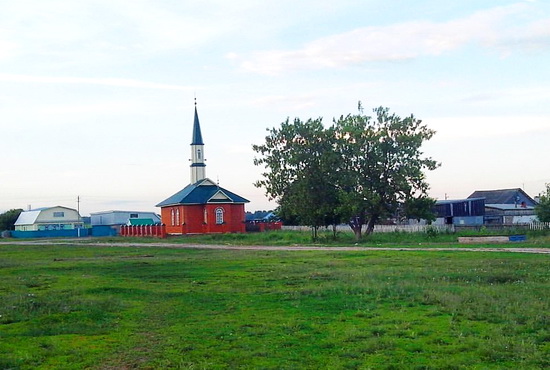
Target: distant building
[202,206]
[49,218]
[507,206]
[49,222]
[118,218]
[462,212]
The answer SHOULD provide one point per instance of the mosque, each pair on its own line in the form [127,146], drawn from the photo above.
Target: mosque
[203,206]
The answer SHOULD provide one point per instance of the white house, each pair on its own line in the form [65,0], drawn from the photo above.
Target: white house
[49,218]
[112,218]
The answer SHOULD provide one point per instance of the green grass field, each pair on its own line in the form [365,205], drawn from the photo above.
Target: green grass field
[537,239]
[87,306]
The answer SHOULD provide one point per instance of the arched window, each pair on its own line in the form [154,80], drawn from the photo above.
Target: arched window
[173,214]
[205,216]
[177,216]
[219,216]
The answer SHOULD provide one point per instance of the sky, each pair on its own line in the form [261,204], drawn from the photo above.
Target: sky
[97,97]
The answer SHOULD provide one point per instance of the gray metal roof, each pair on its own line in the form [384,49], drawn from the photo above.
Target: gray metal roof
[504,196]
[28,217]
[507,207]
[452,201]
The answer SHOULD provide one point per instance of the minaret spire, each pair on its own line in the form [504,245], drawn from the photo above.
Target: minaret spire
[198,167]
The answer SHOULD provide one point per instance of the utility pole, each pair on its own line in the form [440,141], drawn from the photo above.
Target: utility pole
[78,211]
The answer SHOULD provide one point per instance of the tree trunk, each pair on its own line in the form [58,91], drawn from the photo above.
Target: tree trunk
[314,232]
[356,224]
[356,230]
[370,226]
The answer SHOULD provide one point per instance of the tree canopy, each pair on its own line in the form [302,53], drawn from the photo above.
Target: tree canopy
[543,208]
[299,158]
[7,219]
[359,170]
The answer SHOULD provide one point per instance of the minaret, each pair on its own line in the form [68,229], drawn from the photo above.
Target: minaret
[198,167]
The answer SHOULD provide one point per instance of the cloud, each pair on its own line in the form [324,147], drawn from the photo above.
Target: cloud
[116,82]
[106,30]
[499,28]
[7,49]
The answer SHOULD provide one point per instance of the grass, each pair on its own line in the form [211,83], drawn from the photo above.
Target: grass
[538,239]
[111,307]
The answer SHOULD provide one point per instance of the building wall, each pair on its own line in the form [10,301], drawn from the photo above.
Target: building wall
[120,217]
[460,221]
[58,215]
[32,227]
[201,219]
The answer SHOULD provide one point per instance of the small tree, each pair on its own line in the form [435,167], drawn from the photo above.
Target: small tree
[421,208]
[7,219]
[299,160]
[543,208]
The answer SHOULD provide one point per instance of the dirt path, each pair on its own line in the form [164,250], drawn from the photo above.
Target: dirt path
[277,248]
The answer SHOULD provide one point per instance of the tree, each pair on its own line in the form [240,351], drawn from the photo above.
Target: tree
[359,169]
[382,166]
[421,208]
[7,219]
[543,208]
[299,158]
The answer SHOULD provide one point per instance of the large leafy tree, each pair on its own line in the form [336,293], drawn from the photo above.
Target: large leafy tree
[543,208]
[382,167]
[358,170]
[7,219]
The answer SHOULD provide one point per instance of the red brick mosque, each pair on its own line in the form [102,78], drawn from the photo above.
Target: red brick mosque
[202,206]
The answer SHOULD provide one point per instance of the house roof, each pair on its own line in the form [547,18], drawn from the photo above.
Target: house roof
[28,217]
[197,136]
[504,196]
[202,192]
[140,221]
[118,211]
[453,201]
[508,207]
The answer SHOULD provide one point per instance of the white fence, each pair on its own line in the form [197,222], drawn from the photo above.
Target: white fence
[539,226]
[423,228]
[381,228]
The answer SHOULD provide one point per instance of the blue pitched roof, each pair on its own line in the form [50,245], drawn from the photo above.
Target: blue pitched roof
[202,192]
[197,136]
